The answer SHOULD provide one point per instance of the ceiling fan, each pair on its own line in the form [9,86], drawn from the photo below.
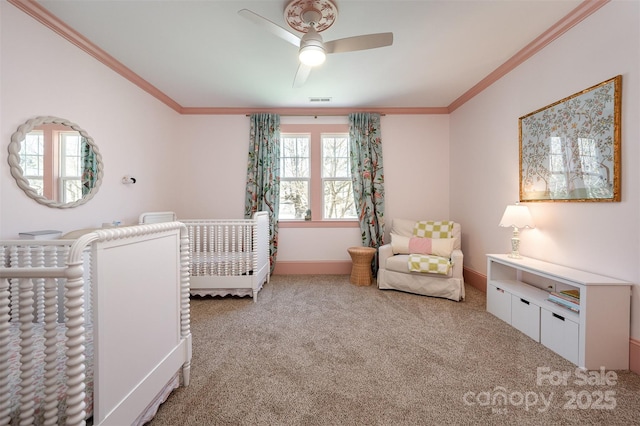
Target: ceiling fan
[311,17]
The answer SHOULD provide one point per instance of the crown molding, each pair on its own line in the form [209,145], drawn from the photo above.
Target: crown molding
[46,18]
[574,17]
[52,22]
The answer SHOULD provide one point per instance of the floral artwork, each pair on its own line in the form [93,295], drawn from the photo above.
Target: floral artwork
[570,150]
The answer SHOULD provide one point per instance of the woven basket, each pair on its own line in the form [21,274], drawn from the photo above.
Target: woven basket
[361,269]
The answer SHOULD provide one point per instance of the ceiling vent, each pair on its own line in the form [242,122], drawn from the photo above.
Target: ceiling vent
[319,99]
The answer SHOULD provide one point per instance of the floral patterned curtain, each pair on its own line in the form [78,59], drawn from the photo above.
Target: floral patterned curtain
[368,178]
[89,167]
[263,174]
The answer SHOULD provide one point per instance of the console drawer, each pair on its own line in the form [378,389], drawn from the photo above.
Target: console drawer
[499,302]
[560,334]
[525,316]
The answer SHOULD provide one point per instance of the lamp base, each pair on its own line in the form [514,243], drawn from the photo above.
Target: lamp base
[515,245]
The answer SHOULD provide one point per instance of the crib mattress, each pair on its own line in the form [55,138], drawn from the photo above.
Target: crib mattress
[221,264]
[38,371]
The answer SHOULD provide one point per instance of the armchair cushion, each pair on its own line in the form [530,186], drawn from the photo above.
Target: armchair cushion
[433,229]
[405,227]
[429,264]
[415,245]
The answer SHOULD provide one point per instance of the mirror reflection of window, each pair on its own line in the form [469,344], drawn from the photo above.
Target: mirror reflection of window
[70,166]
[32,160]
[53,159]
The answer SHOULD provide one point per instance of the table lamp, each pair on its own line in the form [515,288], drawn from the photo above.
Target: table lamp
[516,216]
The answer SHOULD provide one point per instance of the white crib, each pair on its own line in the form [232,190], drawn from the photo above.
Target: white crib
[97,327]
[228,256]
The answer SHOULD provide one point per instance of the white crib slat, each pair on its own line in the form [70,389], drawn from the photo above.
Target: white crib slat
[232,251]
[255,250]
[206,255]
[50,351]
[250,248]
[4,351]
[185,309]
[219,248]
[38,261]
[27,390]
[14,261]
[74,304]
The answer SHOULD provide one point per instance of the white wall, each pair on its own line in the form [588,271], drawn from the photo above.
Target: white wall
[212,166]
[416,167]
[213,157]
[598,237]
[43,74]
[193,165]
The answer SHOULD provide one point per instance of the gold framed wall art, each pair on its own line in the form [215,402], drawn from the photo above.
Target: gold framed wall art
[570,150]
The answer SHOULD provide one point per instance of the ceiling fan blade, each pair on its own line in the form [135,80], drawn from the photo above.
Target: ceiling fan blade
[270,26]
[363,42]
[301,75]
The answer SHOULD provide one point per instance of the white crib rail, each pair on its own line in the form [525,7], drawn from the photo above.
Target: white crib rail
[30,273]
[229,256]
[222,247]
[29,280]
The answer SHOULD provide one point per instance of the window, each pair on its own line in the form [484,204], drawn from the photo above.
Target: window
[70,166]
[52,162]
[315,175]
[32,160]
[337,189]
[295,175]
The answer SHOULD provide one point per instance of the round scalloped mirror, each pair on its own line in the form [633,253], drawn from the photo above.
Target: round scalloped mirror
[55,162]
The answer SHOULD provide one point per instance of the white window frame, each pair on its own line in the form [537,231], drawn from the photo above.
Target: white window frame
[316,182]
[64,178]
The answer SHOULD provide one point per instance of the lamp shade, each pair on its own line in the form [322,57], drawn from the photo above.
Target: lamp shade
[517,216]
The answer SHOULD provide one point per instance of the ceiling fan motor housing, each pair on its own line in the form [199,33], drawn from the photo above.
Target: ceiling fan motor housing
[312,51]
[311,17]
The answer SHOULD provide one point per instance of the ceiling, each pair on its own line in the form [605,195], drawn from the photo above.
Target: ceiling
[203,54]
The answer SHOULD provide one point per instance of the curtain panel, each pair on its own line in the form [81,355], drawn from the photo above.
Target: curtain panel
[263,174]
[367,175]
[89,167]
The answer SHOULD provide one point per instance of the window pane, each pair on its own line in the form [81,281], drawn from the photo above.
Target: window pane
[338,200]
[72,190]
[294,199]
[32,155]
[295,146]
[294,156]
[294,167]
[71,158]
[335,156]
[336,167]
[72,166]
[336,146]
[37,184]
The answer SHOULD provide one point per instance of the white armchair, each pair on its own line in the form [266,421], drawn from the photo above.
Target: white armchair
[394,273]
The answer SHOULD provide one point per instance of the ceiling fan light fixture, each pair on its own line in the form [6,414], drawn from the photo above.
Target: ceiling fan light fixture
[312,55]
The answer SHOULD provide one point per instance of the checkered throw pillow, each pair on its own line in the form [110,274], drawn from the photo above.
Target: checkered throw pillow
[429,264]
[433,229]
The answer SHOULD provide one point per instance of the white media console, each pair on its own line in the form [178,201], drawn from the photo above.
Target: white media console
[596,336]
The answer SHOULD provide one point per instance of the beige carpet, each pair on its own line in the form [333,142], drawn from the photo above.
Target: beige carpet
[316,350]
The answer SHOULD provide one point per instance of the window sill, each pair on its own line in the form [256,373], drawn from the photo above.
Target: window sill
[318,224]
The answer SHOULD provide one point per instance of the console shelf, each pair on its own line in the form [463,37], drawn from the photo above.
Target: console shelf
[596,336]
